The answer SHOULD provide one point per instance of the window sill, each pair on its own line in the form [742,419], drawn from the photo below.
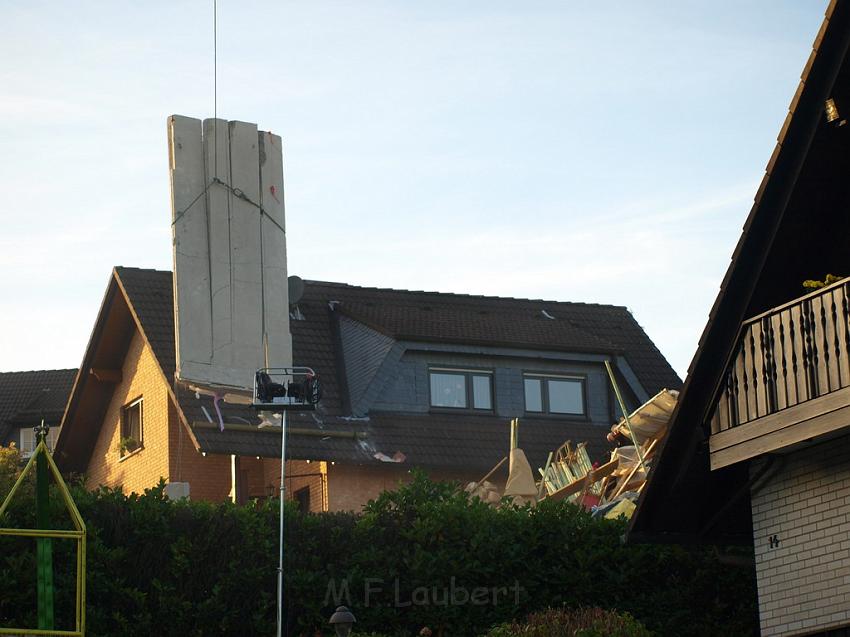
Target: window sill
[465,411]
[567,417]
[131,454]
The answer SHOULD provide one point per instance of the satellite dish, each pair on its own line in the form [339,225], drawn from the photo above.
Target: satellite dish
[296,289]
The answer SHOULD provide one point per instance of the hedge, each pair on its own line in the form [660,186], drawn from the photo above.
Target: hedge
[424,555]
[580,622]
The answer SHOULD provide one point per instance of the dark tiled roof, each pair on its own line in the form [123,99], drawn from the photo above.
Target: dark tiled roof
[341,442]
[27,397]
[151,299]
[477,442]
[428,439]
[478,320]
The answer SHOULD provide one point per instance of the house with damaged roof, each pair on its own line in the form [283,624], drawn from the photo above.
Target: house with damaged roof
[27,399]
[410,380]
[758,451]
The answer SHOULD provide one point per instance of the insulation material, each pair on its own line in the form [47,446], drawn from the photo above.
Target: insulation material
[231,309]
[520,486]
[649,421]
[627,461]
[486,491]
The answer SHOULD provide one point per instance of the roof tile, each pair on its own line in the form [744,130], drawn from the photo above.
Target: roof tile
[26,397]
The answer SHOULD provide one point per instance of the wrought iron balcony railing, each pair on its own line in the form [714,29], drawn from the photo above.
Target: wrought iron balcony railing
[789,355]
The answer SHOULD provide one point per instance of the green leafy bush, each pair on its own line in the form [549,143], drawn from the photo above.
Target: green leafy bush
[424,555]
[10,461]
[582,622]
[810,285]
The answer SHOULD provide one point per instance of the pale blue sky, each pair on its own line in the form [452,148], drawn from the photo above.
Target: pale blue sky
[576,151]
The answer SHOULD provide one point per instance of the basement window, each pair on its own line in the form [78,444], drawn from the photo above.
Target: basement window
[550,394]
[131,428]
[461,389]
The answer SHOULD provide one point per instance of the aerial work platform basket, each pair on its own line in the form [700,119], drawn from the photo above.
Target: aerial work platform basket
[286,388]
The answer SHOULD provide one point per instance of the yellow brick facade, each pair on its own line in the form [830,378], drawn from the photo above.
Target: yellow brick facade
[167,452]
[141,378]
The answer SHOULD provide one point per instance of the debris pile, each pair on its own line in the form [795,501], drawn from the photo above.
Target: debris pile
[610,489]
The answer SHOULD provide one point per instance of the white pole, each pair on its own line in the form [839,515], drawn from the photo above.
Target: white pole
[280,556]
[626,416]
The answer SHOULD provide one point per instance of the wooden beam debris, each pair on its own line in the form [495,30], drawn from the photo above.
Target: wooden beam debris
[569,474]
[106,375]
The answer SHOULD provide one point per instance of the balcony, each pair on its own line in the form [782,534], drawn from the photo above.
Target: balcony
[788,379]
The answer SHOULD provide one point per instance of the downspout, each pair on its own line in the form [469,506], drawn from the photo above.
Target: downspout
[233,472]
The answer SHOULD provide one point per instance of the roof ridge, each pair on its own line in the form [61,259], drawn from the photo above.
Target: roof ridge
[40,371]
[461,294]
[136,269]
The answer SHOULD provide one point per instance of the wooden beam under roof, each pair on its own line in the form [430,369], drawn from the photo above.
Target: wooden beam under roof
[105,375]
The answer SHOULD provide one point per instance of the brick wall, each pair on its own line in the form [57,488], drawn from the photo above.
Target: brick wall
[208,476]
[300,474]
[804,579]
[351,486]
[141,378]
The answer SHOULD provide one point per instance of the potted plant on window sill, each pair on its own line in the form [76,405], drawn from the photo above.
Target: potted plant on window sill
[128,445]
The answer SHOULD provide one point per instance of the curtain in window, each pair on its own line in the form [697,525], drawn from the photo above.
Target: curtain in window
[448,390]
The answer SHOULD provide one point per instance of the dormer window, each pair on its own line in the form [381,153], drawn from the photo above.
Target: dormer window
[551,394]
[461,389]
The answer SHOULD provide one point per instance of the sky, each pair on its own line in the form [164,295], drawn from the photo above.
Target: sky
[603,152]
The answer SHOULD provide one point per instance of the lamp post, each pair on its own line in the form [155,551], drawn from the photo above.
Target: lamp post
[342,620]
[280,543]
[281,389]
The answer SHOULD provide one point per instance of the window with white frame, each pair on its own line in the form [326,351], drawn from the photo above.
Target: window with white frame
[553,394]
[27,440]
[131,427]
[461,389]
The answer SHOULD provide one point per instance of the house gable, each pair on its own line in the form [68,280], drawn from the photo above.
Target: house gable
[117,348]
[142,385]
[796,230]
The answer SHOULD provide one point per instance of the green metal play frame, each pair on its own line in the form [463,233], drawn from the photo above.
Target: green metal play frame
[79,534]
